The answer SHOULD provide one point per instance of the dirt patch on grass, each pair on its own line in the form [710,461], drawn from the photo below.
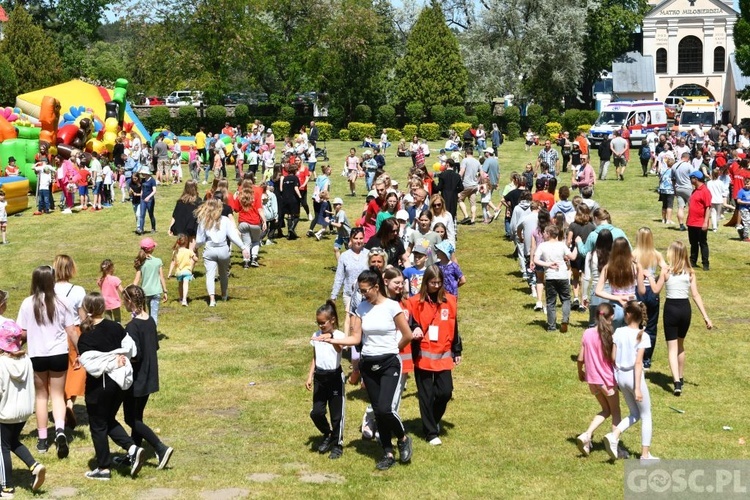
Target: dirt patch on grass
[64,492]
[225,494]
[262,477]
[227,412]
[159,493]
[320,478]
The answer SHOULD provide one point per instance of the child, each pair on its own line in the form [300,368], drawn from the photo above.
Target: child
[553,255]
[596,356]
[528,176]
[111,287]
[627,352]
[452,274]
[107,186]
[44,173]
[105,347]
[743,205]
[3,216]
[183,261]
[150,271]
[174,168]
[324,214]
[485,192]
[326,379]
[413,275]
[82,180]
[252,160]
[16,401]
[342,225]
[719,194]
[142,329]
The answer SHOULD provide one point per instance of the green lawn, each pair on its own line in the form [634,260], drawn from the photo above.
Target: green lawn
[234,406]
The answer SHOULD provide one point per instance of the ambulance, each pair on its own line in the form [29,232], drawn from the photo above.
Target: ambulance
[640,118]
[695,113]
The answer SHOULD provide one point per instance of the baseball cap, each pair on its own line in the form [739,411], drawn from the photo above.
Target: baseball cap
[490,151]
[11,336]
[419,249]
[148,244]
[367,152]
[402,215]
[697,175]
[338,201]
[372,194]
[144,171]
[446,247]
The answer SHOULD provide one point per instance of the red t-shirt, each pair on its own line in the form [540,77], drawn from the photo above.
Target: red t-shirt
[252,214]
[700,201]
[544,197]
[303,174]
[738,178]
[83,177]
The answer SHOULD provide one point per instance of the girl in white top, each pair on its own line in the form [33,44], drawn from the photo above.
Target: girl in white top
[214,230]
[326,379]
[630,343]
[377,324]
[680,281]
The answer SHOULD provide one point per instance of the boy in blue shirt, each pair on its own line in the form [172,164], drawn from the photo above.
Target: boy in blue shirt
[743,204]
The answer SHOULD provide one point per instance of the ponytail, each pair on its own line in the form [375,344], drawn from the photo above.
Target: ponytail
[94,307]
[604,314]
[637,312]
[329,308]
[140,259]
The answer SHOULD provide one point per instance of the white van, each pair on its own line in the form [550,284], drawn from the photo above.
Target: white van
[704,114]
[640,118]
[185,98]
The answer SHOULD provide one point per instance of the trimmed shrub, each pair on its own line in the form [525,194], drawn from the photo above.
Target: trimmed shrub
[386,116]
[455,114]
[437,113]
[573,118]
[336,117]
[160,118]
[514,131]
[344,134]
[512,114]
[286,114]
[484,114]
[362,113]
[535,118]
[241,113]
[553,129]
[280,129]
[358,130]
[394,134]
[215,118]
[473,120]
[429,131]
[187,119]
[325,131]
[554,116]
[410,130]
[460,128]
[414,112]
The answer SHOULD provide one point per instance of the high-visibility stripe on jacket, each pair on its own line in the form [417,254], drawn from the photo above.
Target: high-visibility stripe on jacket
[407,363]
[437,355]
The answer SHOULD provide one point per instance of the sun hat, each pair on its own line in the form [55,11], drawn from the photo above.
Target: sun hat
[11,336]
[148,243]
[446,247]
[338,201]
[144,171]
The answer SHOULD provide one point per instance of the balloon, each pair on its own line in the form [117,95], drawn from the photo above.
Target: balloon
[67,133]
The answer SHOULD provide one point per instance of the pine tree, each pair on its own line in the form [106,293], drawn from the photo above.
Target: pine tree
[8,82]
[432,70]
[31,52]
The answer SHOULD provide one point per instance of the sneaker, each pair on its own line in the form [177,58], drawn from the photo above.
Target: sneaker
[254,262]
[101,475]
[61,442]
[386,463]
[583,442]
[435,441]
[552,328]
[677,388]
[538,306]
[575,304]
[336,452]
[67,211]
[649,457]
[610,445]
[121,461]
[246,265]
[212,303]
[164,458]
[563,328]
[39,472]
[136,462]
[706,268]
[327,443]
[682,227]
[366,432]
[184,303]
[318,236]
[404,450]
[310,233]
[7,492]
[42,446]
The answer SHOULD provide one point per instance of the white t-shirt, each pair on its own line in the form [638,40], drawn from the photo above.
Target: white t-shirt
[48,339]
[626,340]
[326,356]
[107,172]
[379,333]
[554,251]
[3,211]
[73,295]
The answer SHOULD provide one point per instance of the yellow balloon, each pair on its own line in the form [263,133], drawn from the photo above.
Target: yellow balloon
[110,125]
[53,150]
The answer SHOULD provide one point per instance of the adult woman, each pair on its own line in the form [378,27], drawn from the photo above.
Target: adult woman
[622,275]
[680,281]
[148,201]
[435,325]
[387,239]
[214,230]
[581,226]
[595,262]
[649,259]
[252,219]
[351,263]
[496,136]
[441,214]
[481,137]
[75,380]
[376,325]
[290,201]
[48,323]
[583,176]
[414,147]
[183,216]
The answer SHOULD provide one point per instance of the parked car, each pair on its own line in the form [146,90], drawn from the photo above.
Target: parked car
[185,98]
[152,101]
[672,104]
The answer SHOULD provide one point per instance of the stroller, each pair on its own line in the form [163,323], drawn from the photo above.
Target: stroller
[321,152]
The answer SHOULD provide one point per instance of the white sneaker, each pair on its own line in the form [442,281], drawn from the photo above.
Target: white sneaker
[649,457]
[67,211]
[610,445]
[533,291]
[538,306]
[584,444]
[435,441]
[204,183]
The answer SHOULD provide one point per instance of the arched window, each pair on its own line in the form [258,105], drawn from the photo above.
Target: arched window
[719,58]
[661,61]
[690,55]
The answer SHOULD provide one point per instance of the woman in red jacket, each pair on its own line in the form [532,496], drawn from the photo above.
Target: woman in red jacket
[435,326]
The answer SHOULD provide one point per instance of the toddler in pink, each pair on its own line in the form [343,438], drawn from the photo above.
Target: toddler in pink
[111,287]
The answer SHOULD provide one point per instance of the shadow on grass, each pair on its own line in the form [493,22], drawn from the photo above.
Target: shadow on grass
[539,323]
[661,379]
[356,393]
[597,447]
[414,426]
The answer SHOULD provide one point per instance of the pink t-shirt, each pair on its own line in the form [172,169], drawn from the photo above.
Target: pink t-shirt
[599,370]
[111,296]
[47,339]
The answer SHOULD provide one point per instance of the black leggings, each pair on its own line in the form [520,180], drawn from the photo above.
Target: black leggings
[9,434]
[133,408]
[316,210]
[103,422]
[382,378]
[652,320]
[328,390]
[303,201]
[677,315]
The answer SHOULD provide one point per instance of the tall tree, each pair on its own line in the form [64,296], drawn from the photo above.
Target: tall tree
[742,43]
[432,70]
[8,82]
[31,52]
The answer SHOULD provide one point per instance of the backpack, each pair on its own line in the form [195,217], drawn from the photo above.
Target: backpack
[645,153]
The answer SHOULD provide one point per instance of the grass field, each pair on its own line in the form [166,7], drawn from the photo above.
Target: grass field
[234,406]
